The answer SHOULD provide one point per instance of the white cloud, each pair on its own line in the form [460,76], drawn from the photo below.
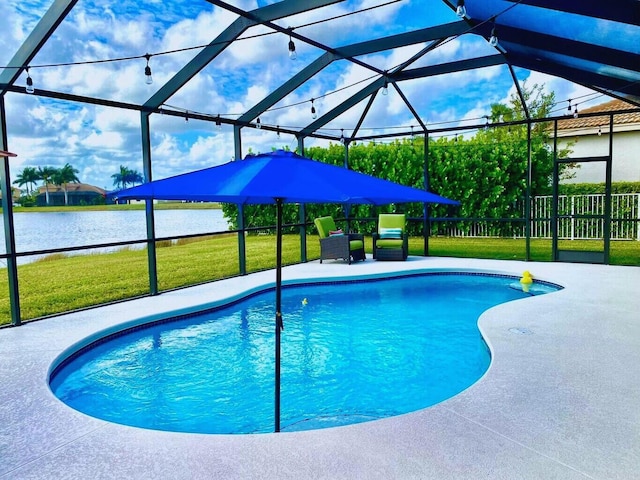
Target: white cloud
[106,140]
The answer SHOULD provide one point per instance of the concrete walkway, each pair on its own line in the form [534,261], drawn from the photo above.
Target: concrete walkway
[559,401]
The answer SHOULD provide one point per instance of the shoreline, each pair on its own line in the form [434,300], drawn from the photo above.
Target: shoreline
[119,207]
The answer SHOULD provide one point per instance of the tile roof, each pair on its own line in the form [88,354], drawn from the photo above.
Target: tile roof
[613,105]
[72,187]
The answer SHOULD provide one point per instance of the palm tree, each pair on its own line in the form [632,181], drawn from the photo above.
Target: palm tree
[63,176]
[133,177]
[28,176]
[120,178]
[125,177]
[46,175]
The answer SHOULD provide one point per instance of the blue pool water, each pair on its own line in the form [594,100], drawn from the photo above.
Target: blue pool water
[351,352]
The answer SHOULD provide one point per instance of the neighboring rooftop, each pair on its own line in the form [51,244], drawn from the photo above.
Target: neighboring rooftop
[72,188]
[632,117]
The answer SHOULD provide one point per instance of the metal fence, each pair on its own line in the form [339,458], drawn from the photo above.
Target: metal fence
[625,219]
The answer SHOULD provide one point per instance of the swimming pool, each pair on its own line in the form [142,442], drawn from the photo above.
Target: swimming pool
[351,352]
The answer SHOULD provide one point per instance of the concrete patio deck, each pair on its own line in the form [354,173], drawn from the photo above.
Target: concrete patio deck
[559,401]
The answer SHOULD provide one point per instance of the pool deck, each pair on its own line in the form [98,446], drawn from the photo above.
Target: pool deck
[559,401]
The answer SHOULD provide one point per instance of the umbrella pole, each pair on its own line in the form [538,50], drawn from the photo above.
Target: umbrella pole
[279,325]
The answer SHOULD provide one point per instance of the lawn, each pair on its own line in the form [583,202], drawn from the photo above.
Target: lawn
[64,283]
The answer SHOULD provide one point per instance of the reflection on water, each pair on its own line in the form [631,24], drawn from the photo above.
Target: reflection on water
[48,230]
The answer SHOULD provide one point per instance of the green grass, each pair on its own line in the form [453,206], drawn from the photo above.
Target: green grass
[63,283]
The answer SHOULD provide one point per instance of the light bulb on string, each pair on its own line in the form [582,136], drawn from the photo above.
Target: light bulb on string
[385,88]
[258,124]
[342,140]
[569,107]
[493,39]
[292,49]
[314,114]
[218,123]
[575,112]
[147,71]
[461,11]
[278,130]
[29,88]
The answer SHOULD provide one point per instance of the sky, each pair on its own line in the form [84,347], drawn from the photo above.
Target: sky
[97,140]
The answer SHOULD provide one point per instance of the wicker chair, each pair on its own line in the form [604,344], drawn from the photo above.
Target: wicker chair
[391,241]
[334,244]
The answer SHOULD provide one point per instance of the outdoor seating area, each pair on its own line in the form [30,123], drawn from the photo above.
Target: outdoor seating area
[391,241]
[335,244]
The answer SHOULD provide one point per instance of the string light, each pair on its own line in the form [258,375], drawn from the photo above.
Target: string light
[569,107]
[147,71]
[258,124]
[29,88]
[314,114]
[493,39]
[342,140]
[385,88]
[292,49]
[218,123]
[461,11]
[186,116]
[278,130]
[575,112]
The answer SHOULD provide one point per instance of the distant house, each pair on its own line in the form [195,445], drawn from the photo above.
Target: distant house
[15,194]
[77,194]
[590,138]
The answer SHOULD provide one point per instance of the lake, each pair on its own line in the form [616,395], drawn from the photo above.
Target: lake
[47,230]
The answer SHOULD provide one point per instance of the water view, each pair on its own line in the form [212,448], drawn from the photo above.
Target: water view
[48,230]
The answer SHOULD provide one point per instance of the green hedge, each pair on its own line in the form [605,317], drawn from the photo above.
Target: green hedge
[590,188]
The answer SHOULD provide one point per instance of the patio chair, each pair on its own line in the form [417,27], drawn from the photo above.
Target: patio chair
[391,241]
[335,244]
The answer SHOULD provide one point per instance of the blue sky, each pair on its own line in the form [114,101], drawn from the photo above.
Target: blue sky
[97,140]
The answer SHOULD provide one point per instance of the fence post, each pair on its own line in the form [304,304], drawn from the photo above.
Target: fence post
[638,217]
[573,217]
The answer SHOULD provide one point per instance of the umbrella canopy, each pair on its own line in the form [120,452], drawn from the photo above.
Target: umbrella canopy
[260,179]
[279,177]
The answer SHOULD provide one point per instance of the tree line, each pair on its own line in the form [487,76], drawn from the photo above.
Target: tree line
[29,178]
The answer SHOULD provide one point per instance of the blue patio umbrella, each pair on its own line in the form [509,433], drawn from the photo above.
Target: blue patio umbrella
[277,178]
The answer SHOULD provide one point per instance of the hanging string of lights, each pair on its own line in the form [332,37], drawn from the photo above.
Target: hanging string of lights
[460,11]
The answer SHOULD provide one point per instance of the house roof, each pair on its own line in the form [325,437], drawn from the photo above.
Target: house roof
[632,117]
[73,188]
[15,193]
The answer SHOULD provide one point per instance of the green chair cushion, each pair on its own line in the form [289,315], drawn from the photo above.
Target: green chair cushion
[324,226]
[391,220]
[389,243]
[356,245]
